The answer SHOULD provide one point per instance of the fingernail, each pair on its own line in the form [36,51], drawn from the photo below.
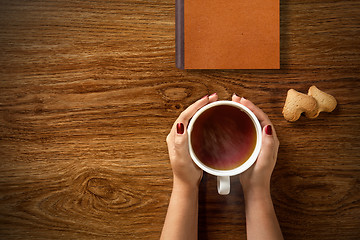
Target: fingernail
[180,128]
[213,94]
[243,98]
[268,130]
[234,95]
[206,96]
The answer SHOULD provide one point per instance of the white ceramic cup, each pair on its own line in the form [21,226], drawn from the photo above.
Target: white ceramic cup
[223,176]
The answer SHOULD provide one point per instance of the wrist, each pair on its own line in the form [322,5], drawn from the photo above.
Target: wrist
[257,192]
[180,185]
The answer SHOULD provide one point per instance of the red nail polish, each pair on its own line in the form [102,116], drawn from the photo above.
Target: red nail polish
[180,128]
[268,130]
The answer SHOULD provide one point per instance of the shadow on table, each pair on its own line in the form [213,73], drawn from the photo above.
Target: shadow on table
[221,217]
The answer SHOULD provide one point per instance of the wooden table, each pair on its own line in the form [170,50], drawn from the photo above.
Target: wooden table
[89,91]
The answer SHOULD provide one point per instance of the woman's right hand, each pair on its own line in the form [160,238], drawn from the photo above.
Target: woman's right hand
[257,177]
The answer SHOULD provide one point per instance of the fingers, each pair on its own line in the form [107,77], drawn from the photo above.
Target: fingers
[183,120]
[263,118]
[213,98]
[257,111]
[187,114]
[236,98]
[191,110]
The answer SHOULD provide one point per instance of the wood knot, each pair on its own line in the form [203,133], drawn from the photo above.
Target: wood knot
[175,93]
[101,187]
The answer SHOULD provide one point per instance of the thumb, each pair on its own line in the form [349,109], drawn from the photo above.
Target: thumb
[268,150]
[180,137]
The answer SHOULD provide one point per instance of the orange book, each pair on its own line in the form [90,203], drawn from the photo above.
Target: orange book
[227,34]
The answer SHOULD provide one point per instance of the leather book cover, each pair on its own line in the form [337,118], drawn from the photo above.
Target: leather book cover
[227,34]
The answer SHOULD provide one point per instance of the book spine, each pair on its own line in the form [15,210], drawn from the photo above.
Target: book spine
[179,33]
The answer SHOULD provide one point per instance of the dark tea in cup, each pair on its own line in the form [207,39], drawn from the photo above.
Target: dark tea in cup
[224,140]
[223,137]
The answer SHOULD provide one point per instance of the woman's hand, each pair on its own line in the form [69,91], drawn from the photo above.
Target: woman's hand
[184,169]
[261,220]
[259,174]
[181,220]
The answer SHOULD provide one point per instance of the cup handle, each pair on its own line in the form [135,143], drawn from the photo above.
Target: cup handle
[223,185]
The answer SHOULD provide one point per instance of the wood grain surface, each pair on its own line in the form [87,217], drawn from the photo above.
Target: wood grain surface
[89,91]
